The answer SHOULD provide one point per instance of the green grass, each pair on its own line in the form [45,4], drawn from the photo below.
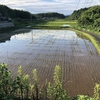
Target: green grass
[20,88]
[52,23]
[91,38]
[60,23]
[95,30]
[56,24]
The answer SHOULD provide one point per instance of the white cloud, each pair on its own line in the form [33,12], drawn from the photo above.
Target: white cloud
[37,6]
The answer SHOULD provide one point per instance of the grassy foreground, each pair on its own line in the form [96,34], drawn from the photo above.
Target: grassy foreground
[20,87]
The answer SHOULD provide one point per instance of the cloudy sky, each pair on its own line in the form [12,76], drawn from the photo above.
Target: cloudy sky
[61,6]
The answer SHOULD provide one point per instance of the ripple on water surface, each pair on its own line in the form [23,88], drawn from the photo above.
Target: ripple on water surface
[44,49]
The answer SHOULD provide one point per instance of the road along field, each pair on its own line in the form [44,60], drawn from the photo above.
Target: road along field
[44,49]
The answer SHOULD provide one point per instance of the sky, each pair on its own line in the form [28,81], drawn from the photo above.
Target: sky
[65,7]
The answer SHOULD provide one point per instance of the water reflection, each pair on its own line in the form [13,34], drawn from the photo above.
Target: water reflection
[44,49]
[5,39]
[7,36]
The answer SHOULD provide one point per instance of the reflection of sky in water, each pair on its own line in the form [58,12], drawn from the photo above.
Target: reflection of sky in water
[39,34]
[25,36]
[45,40]
[44,49]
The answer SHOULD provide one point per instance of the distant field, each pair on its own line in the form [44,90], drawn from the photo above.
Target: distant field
[57,23]
[60,22]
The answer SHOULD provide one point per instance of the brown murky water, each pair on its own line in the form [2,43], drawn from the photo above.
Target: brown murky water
[44,49]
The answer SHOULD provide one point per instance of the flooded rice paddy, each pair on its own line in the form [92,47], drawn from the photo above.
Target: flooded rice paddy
[44,49]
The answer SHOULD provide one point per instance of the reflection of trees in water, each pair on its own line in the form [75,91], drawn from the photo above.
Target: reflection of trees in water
[7,37]
[3,39]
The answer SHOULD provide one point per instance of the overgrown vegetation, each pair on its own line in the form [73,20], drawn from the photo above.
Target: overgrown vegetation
[76,14]
[20,88]
[88,19]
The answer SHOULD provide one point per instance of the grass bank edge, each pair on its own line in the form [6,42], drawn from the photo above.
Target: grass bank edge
[91,38]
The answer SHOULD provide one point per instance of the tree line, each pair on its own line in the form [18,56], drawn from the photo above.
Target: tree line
[13,13]
[88,18]
[50,15]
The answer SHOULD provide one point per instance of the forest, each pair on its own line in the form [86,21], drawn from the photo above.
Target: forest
[13,13]
[88,18]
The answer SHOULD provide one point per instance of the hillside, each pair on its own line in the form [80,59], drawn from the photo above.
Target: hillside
[13,13]
[77,13]
[50,15]
[88,18]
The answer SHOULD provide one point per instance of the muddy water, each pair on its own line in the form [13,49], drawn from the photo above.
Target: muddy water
[44,49]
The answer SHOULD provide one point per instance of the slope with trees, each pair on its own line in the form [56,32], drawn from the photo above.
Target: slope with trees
[76,14]
[13,13]
[88,18]
[50,15]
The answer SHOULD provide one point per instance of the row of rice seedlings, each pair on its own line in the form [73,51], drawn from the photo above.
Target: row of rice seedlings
[95,70]
[88,75]
[46,72]
[44,62]
[83,72]
[94,67]
[79,75]
[91,63]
